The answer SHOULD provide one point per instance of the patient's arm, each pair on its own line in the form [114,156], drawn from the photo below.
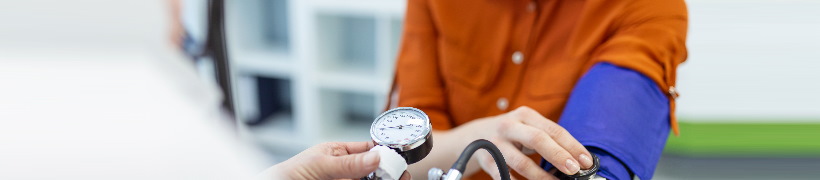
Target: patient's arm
[621,116]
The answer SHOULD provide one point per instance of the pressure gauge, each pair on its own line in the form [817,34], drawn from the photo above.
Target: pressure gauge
[588,174]
[406,130]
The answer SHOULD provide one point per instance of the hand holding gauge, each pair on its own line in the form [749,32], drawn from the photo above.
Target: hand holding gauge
[406,130]
[402,136]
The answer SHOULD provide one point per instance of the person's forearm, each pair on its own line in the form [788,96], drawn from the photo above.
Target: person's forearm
[447,146]
[441,156]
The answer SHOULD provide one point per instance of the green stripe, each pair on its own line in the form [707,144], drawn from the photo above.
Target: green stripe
[746,139]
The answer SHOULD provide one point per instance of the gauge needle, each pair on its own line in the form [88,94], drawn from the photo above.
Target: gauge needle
[399,127]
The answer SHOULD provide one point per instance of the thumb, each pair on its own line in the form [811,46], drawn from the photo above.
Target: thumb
[352,166]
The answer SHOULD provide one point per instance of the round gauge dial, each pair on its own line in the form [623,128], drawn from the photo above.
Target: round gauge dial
[403,129]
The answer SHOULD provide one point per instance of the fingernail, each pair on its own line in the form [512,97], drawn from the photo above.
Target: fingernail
[371,159]
[572,167]
[585,160]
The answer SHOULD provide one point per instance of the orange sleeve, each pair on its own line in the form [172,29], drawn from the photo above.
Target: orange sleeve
[649,37]
[418,82]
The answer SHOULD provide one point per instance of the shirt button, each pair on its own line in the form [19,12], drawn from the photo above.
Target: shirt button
[502,103]
[531,6]
[517,57]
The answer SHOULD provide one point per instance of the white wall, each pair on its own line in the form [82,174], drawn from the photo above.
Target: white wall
[752,61]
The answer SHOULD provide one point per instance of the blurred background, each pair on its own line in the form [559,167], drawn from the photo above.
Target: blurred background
[319,70]
[312,71]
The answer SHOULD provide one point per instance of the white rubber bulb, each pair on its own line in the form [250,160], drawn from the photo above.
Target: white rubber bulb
[391,164]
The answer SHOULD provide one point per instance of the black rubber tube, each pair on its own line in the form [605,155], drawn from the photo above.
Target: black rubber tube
[217,49]
[461,163]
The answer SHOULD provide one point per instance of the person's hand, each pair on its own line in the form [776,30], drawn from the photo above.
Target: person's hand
[522,132]
[333,160]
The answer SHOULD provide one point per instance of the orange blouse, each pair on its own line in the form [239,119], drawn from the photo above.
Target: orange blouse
[463,60]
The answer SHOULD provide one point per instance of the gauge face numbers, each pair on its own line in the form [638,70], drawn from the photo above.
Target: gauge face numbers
[401,127]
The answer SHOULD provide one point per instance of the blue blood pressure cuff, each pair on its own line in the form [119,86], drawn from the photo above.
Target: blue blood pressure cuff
[622,117]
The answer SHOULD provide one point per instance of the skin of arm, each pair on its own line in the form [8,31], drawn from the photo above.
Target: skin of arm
[332,160]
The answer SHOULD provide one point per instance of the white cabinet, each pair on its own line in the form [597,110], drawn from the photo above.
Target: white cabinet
[312,70]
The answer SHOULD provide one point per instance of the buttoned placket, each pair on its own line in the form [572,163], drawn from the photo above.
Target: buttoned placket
[518,56]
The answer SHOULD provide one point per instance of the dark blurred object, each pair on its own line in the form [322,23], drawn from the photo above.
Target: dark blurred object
[274,99]
[190,46]
[215,48]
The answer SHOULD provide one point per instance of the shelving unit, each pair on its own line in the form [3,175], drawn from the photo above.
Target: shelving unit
[329,64]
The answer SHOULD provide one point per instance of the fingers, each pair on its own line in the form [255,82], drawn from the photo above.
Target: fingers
[521,163]
[487,163]
[350,166]
[560,135]
[346,148]
[563,138]
[542,143]
[358,147]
